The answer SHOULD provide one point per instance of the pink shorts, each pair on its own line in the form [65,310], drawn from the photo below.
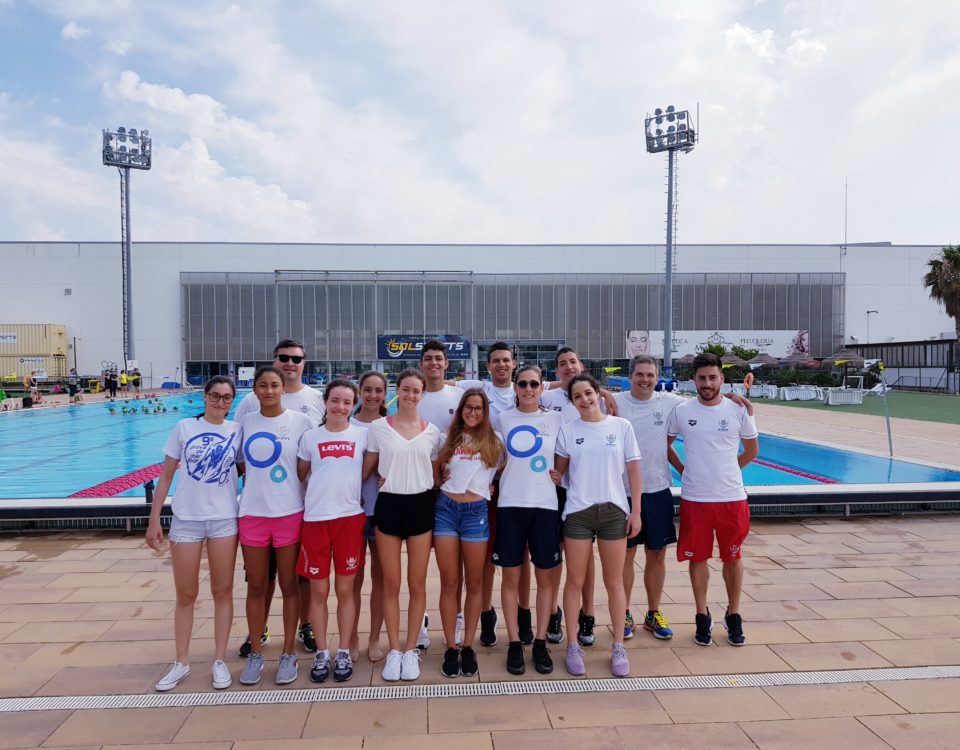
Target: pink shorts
[258,531]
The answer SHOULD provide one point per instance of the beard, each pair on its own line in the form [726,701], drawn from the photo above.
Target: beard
[708,393]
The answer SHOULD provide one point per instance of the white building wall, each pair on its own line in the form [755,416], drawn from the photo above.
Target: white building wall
[35,275]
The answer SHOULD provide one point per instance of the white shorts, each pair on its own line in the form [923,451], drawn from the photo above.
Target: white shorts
[183,531]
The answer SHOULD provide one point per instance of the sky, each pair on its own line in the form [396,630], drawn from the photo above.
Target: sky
[451,121]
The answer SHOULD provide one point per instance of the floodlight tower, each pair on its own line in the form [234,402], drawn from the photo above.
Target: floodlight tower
[126,150]
[669,131]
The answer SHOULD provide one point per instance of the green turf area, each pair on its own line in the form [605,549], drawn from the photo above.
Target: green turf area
[930,407]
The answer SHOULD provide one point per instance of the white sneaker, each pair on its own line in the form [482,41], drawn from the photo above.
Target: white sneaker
[458,632]
[391,668]
[177,673]
[423,639]
[410,665]
[221,676]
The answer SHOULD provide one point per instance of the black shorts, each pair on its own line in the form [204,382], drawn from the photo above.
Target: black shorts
[405,515]
[657,528]
[519,528]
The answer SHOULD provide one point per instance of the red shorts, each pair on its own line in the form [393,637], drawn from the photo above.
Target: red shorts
[700,521]
[339,539]
[261,531]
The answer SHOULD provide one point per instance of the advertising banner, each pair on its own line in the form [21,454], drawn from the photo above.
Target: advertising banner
[775,343]
[396,346]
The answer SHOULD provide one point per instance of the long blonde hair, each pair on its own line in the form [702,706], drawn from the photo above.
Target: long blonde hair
[483,439]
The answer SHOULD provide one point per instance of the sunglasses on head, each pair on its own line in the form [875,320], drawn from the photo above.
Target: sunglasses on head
[295,358]
[528,384]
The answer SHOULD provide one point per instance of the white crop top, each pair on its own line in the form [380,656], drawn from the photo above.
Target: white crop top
[468,472]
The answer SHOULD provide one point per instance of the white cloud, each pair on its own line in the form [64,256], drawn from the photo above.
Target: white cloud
[117,47]
[760,43]
[74,31]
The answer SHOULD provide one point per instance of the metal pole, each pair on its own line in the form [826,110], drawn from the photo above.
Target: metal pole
[668,291]
[129,352]
[886,411]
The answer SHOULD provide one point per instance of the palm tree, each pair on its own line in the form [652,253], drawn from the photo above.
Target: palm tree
[943,281]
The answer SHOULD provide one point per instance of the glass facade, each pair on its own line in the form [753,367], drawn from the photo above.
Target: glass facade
[235,319]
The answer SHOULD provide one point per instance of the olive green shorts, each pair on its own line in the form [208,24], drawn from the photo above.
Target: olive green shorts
[605,521]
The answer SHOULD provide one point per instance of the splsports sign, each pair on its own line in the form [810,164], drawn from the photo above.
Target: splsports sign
[401,347]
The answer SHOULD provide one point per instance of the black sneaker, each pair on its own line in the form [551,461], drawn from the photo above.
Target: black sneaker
[488,627]
[541,657]
[306,637]
[555,627]
[515,663]
[525,626]
[320,670]
[734,626]
[451,663]
[585,635]
[246,648]
[343,667]
[704,626]
[468,662]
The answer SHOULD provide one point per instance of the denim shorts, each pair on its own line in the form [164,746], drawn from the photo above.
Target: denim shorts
[183,531]
[468,521]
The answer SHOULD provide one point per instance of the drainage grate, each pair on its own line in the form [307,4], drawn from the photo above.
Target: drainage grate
[539,687]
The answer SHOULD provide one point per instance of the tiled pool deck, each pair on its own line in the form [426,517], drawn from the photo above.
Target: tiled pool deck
[90,614]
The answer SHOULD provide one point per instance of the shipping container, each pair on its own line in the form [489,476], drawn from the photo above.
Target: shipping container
[33,339]
[14,368]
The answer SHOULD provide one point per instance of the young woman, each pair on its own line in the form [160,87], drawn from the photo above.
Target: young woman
[332,456]
[204,508]
[528,515]
[594,451]
[470,457]
[271,516]
[403,448]
[373,396]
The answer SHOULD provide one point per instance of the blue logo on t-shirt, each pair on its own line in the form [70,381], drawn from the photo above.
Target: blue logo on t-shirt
[537,463]
[277,474]
[210,457]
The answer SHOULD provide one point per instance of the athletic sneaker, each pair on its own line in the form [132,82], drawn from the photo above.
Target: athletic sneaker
[391,667]
[555,627]
[251,673]
[575,665]
[451,663]
[173,677]
[525,626]
[585,635]
[515,663]
[246,648]
[628,626]
[343,666]
[306,637]
[488,627]
[221,675]
[287,670]
[458,629]
[320,670]
[423,638]
[619,664]
[656,624]
[468,662]
[734,627]
[410,665]
[541,657]
[704,626]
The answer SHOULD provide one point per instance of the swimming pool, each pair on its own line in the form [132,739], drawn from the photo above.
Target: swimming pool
[83,450]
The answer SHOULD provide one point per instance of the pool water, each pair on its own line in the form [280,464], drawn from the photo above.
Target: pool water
[58,452]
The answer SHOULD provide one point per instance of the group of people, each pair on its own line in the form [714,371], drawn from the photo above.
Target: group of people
[122,381]
[514,473]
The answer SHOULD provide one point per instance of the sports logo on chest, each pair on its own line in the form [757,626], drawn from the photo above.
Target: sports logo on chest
[336,449]
[723,425]
[611,441]
[692,422]
[658,418]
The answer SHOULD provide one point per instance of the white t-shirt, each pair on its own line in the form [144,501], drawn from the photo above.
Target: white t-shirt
[557,400]
[711,440]
[405,465]
[371,485]
[207,482]
[649,419]
[438,407]
[501,399]
[598,453]
[468,472]
[530,441]
[336,470]
[306,401]
[271,488]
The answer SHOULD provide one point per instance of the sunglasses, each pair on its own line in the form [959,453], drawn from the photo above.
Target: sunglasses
[528,384]
[296,359]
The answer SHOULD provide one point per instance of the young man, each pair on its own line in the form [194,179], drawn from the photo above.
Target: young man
[440,400]
[713,500]
[499,389]
[289,357]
